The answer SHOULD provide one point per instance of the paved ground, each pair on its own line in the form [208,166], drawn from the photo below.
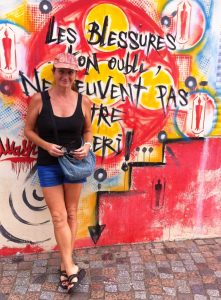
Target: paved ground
[170,270]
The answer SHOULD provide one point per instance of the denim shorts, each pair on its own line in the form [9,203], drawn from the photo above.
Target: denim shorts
[52,175]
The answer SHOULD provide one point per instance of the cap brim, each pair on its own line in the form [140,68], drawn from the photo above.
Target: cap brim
[65,66]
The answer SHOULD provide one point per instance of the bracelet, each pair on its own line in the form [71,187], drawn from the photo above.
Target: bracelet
[88,143]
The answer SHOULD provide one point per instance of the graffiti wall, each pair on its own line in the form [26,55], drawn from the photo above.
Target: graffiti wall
[152,70]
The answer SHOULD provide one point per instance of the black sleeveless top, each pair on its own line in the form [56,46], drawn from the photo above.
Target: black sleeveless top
[70,130]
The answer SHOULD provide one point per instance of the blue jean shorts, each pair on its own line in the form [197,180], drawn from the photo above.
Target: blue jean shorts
[52,175]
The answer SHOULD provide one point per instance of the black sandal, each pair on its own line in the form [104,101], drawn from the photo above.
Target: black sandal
[63,282]
[80,273]
[74,284]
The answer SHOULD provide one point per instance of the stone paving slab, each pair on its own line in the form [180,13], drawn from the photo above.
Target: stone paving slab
[189,270]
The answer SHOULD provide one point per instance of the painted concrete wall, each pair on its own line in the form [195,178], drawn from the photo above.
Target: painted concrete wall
[152,70]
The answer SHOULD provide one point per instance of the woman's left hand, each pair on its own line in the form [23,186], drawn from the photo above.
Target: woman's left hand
[81,153]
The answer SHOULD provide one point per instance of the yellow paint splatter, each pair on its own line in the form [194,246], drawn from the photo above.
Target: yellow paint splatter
[18,15]
[46,72]
[86,215]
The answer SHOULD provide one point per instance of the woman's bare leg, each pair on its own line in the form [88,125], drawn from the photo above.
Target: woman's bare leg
[72,195]
[54,197]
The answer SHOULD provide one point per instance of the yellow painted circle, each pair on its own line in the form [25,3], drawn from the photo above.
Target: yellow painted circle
[117,21]
[45,72]
[106,135]
[151,79]
[107,78]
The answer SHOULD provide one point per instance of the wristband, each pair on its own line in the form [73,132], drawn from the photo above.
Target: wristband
[88,143]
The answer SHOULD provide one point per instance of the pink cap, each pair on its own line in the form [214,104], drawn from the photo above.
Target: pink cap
[66,60]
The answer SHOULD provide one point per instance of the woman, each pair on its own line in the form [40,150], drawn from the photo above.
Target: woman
[73,121]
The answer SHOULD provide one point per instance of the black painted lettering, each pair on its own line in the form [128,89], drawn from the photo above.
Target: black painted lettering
[94,109]
[172,97]
[139,87]
[104,92]
[171,41]
[81,61]
[71,38]
[112,63]
[111,39]
[116,115]
[61,35]
[95,35]
[92,62]
[143,40]
[162,89]
[152,40]
[49,36]
[114,92]
[122,40]
[183,94]
[103,115]
[133,36]
[160,43]
[80,86]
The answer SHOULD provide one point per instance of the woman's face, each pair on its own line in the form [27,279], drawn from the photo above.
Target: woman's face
[64,77]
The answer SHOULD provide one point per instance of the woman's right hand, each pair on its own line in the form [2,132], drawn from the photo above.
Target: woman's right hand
[55,150]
